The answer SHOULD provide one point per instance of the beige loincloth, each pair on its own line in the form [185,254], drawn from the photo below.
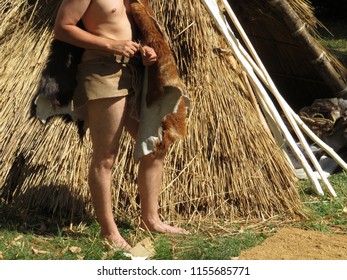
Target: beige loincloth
[103,75]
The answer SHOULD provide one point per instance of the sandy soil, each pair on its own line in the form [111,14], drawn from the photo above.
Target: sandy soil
[299,244]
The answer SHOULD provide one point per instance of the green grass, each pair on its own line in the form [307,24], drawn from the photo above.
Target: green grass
[53,241]
[41,238]
[336,39]
[328,214]
[204,247]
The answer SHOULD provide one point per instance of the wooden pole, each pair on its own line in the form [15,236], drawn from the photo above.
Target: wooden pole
[262,73]
[265,77]
[213,9]
[315,53]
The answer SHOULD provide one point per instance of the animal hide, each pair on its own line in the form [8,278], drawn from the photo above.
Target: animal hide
[58,81]
[163,104]
[164,95]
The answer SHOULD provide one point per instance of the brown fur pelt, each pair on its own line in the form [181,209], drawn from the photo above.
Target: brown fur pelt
[174,127]
[58,78]
[163,74]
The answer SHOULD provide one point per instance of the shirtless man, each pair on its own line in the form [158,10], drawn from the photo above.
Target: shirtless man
[109,30]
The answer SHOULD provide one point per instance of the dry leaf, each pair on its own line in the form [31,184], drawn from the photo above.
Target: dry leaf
[64,250]
[16,242]
[1,256]
[19,237]
[75,249]
[142,250]
[37,251]
[344,209]
[41,241]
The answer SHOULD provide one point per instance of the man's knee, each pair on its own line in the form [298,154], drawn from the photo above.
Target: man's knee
[103,162]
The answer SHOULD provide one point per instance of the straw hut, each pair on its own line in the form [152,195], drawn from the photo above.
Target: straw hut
[291,59]
[228,167]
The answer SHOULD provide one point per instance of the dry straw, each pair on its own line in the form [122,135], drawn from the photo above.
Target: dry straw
[292,69]
[227,168]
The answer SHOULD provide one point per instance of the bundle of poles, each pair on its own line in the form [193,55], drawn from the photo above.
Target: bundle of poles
[259,80]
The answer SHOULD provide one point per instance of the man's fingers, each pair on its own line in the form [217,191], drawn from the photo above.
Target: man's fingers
[130,48]
[129,52]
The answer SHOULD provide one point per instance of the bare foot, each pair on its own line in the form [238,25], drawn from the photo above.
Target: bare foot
[116,243]
[161,227]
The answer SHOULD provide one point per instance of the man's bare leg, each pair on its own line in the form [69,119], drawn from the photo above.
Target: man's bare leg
[105,117]
[150,175]
[149,183]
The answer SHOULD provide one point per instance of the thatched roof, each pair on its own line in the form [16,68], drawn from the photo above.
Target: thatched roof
[228,166]
[284,56]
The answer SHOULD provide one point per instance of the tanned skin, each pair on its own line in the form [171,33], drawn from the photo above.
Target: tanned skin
[109,27]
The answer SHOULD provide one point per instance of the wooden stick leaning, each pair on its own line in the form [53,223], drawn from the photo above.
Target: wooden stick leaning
[276,133]
[260,73]
[254,102]
[285,107]
[214,10]
[263,74]
[330,151]
[271,127]
[289,114]
[315,53]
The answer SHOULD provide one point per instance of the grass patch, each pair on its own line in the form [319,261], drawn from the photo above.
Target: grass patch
[336,39]
[34,240]
[205,247]
[82,242]
[328,214]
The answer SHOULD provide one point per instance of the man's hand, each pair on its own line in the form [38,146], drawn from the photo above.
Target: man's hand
[148,55]
[125,48]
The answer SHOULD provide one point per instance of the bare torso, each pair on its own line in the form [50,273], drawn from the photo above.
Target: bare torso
[109,27]
[110,18]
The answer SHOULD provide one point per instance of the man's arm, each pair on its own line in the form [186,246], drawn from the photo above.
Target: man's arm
[69,14]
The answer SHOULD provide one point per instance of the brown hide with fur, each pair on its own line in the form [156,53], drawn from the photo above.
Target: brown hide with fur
[163,74]
[174,127]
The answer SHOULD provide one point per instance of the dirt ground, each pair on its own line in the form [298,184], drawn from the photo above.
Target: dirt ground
[299,244]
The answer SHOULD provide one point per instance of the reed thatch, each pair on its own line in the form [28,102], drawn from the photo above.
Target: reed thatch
[228,167]
[288,61]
